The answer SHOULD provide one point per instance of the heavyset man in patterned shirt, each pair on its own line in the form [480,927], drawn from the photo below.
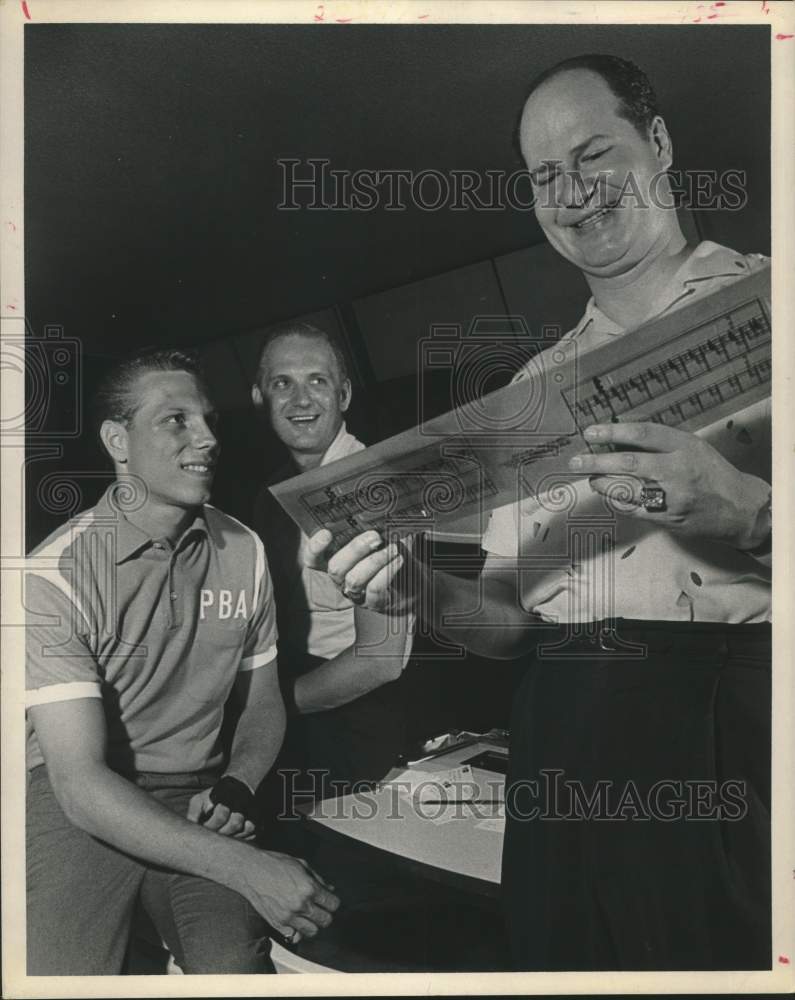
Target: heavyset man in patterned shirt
[667,686]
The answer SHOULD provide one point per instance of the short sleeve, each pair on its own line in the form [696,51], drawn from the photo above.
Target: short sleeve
[261,635]
[756,262]
[59,662]
[501,536]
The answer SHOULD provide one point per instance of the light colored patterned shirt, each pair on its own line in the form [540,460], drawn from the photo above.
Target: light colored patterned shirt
[643,572]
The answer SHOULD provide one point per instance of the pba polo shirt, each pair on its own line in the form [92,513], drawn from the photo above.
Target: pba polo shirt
[635,569]
[158,631]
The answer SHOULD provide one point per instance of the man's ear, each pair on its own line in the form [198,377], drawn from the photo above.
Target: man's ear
[114,437]
[663,147]
[346,394]
[256,397]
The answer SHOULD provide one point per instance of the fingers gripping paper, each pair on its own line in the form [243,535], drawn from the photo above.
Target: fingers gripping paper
[685,370]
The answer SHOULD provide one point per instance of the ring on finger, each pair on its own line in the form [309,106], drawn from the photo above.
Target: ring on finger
[356,595]
[652,499]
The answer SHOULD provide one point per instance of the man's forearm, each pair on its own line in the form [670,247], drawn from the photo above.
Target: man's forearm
[258,738]
[484,615]
[260,727]
[342,679]
[112,809]
[375,658]
[72,737]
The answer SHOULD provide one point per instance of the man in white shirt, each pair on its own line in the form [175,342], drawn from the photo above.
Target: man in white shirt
[338,663]
[637,832]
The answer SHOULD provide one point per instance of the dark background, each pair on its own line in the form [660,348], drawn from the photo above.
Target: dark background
[151,193]
[151,177]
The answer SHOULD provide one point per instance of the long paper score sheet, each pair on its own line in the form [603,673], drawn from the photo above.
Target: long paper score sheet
[687,370]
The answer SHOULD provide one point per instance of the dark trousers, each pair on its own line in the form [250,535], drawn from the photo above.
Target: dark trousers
[645,841]
[82,895]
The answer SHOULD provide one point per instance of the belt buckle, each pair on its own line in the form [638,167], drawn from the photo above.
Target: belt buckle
[604,635]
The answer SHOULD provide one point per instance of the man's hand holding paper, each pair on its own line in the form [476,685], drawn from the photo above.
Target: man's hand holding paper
[367,571]
[703,495]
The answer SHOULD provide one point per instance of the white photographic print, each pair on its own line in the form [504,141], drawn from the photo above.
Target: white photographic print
[394,399]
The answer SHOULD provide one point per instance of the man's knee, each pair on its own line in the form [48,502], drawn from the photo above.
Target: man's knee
[224,954]
[208,927]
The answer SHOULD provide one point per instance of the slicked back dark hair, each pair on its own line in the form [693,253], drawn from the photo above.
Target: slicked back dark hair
[116,397]
[300,329]
[637,101]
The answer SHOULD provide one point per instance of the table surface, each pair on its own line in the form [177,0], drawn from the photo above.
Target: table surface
[459,844]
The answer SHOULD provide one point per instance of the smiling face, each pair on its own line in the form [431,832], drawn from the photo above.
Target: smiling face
[306,395]
[592,174]
[170,440]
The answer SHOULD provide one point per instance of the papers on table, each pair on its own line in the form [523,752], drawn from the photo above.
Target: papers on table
[455,793]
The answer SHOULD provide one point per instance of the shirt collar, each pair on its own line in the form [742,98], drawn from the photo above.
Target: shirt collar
[132,540]
[342,445]
[708,261]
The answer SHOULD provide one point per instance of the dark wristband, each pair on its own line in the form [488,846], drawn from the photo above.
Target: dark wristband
[234,794]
